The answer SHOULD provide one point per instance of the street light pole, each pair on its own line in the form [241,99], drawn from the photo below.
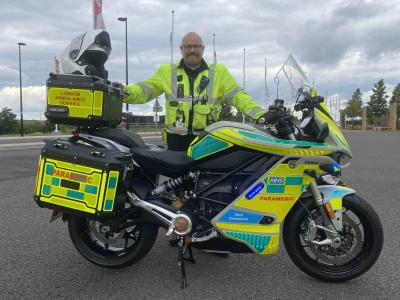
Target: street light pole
[124,19]
[20,89]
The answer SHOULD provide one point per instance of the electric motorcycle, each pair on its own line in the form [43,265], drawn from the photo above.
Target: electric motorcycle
[236,190]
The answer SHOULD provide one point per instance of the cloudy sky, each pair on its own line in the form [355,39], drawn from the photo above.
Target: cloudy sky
[342,45]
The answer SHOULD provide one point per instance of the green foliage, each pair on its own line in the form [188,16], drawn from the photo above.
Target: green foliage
[8,122]
[226,112]
[47,127]
[377,105]
[396,95]
[353,106]
[33,126]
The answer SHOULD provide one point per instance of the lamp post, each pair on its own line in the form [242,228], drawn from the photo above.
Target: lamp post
[124,19]
[20,89]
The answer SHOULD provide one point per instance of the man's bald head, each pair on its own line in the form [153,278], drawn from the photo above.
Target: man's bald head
[192,50]
[192,36]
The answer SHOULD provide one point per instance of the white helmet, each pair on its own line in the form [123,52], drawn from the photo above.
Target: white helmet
[87,53]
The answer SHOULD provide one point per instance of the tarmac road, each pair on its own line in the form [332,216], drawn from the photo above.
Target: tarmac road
[38,259]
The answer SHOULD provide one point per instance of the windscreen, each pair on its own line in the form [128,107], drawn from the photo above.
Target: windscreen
[289,79]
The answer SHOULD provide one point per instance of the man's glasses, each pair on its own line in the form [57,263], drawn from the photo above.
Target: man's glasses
[190,47]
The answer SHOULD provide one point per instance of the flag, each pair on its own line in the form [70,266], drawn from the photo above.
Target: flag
[56,65]
[98,22]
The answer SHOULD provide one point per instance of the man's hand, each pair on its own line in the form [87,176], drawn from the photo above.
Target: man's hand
[122,87]
[273,116]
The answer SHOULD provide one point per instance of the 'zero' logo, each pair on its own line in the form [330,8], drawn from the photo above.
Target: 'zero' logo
[292,164]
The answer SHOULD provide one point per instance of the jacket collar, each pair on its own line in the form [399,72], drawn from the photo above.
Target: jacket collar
[203,66]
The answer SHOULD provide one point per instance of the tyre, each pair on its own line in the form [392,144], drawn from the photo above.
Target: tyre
[361,240]
[100,246]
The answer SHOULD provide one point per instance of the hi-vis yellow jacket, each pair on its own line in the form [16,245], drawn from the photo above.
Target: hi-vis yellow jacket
[205,106]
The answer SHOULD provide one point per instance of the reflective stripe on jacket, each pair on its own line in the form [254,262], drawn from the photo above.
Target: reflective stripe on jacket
[174,82]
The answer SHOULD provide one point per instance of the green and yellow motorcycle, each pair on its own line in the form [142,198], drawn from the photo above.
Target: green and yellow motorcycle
[236,190]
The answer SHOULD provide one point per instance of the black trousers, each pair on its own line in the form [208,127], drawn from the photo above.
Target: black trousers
[178,142]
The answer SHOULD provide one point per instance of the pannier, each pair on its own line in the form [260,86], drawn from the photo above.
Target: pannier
[81,100]
[80,179]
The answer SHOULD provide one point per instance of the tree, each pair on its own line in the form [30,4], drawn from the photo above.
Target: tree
[8,122]
[396,95]
[396,99]
[377,105]
[353,107]
[48,126]
[226,111]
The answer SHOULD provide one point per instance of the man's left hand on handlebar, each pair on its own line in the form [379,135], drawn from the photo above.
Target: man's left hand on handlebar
[272,117]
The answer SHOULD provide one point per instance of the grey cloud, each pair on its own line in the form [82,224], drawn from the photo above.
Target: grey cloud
[321,34]
[354,26]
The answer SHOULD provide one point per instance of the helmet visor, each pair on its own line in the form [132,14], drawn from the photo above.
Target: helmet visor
[75,46]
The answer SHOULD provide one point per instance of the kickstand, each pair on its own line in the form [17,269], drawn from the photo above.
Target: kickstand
[181,263]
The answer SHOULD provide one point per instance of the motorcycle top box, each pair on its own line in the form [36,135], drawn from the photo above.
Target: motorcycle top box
[80,179]
[81,100]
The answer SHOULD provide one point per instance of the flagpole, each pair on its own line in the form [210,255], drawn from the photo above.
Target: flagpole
[215,53]
[266,87]
[94,13]
[171,40]
[244,77]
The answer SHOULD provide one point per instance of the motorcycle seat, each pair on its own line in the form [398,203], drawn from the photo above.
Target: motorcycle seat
[163,162]
[122,136]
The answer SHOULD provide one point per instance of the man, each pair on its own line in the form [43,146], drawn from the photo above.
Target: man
[194,91]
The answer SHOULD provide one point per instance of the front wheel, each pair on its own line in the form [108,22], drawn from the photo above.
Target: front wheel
[361,241]
[104,248]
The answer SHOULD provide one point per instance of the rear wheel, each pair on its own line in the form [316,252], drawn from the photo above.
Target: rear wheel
[361,241]
[104,248]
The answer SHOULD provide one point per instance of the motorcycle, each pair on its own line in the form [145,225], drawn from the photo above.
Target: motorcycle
[236,190]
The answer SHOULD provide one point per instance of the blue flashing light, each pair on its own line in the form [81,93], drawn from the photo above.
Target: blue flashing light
[254,191]
[336,167]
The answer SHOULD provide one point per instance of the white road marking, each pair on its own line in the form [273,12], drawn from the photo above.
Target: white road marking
[37,145]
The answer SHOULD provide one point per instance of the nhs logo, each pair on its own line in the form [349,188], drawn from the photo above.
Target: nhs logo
[276,180]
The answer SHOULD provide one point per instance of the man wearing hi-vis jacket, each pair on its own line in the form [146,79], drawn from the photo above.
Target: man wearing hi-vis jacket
[194,91]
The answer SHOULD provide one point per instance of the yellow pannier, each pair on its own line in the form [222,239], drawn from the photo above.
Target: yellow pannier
[79,179]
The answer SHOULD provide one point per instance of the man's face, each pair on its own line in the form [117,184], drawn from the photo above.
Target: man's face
[192,50]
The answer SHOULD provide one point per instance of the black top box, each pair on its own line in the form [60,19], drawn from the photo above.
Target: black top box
[80,100]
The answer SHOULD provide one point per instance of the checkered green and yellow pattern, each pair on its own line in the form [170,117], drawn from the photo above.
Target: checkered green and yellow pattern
[76,187]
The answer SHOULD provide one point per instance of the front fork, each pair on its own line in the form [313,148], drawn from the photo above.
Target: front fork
[333,238]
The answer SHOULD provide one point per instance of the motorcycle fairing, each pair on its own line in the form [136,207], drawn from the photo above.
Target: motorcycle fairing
[335,136]
[283,185]
[252,138]
[334,194]
[207,146]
